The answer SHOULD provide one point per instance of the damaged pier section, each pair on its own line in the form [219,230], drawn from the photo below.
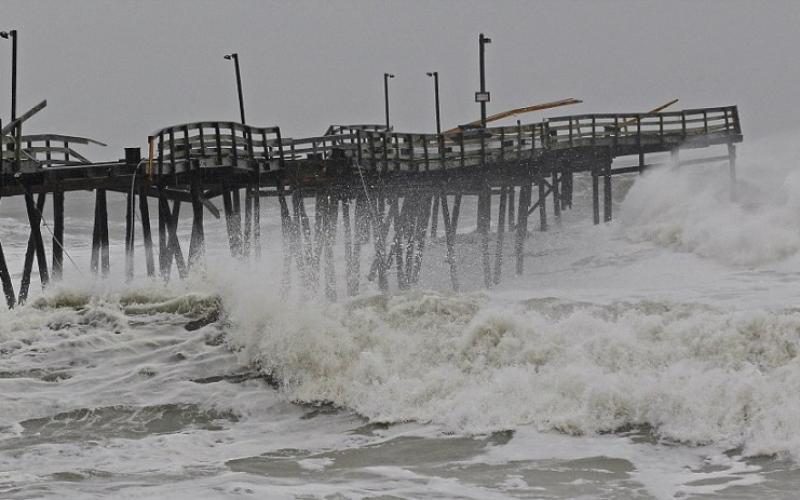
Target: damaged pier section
[377,192]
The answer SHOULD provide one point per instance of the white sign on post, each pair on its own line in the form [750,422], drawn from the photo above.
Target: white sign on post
[482,97]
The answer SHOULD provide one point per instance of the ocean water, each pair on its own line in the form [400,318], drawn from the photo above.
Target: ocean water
[652,357]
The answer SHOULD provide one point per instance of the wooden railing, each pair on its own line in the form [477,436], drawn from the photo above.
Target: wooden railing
[376,148]
[44,150]
[174,148]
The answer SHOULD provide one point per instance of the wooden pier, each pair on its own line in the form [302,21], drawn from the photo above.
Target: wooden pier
[376,191]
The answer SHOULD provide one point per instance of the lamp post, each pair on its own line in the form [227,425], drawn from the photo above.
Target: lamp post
[17,129]
[386,77]
[435,75]
[235,57]
[482,40]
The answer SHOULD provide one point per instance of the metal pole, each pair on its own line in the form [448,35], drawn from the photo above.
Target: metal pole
[386,77]
[239,86]
[435,75]
[482,40]
[17,128]
[235,57]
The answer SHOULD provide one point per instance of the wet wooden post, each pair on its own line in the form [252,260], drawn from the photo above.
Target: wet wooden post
[511,206]
[331,216]
[248,220]
[595,193]
[257,219]
[542,199]
[95,259]
[58,234]
[732,169]
[5,278]
[484,218]
[197,242]
[30,251]
[230,201]
[173,249]
[288,238]
[350,278]
[450,229]
[607,198]
[105,263]
[130,217]
[163,217]
[144,212]
[522,221]
[501,224]
[555,168]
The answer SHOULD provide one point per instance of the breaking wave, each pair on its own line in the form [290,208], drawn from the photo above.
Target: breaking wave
[695,374]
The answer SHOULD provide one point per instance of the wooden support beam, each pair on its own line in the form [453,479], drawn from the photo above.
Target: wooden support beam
[522,222]
[163,218]
[501,224]
[95,259]
[350,277]
[173,243]
[5,278]
[248,220]
[422,229]
[732,170]
[198,240]
[257,221]
[450,228]
[35,220]
[58,235]
[596,193]
[130,226]
[30,251]
[331,219]
[554,185]
[105,262]
[541,202]
[144,212]
[484,218]
[288,244]
[232,221]
[435,216]
[607,198]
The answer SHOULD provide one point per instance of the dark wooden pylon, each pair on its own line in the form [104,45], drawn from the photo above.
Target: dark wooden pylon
[501,224]
[596,193]
[130,225]
[555,188]
[330,218]
[58,234]
[484,226]
[607,198]
[233,219]
[732,169]
[100,251]
[197,242]
[32,249]
[248,221]
[147,236]
[522,221]
[257,219]
[5,278]
[350,244]
[381,223]
[172,249]
[288,238]
[450,228]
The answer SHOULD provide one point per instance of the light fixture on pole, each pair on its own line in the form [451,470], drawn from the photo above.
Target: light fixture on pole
[435,75]
[235,57]
[386,77]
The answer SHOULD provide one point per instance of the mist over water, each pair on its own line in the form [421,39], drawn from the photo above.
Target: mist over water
[655,356]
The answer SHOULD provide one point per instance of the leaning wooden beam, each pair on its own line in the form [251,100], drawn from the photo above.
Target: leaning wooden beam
[29,254]
[5,278]
[501,224]
[130,219]
[144,212]
[450,225]
[607,199]
[105,263]
[35,219]
[331,216]
[350,277]
[522,224]
[596,193]
[484,218]
[197,242]
[58,234]
[287,235]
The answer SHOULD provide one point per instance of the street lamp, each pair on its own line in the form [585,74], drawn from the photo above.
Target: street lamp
[17,128]
[435,75]
[386,77]
[235,58]
[482,40]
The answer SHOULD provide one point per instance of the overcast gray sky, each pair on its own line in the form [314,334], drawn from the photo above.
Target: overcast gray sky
[118,70]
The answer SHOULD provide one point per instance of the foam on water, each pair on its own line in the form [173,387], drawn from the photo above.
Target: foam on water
[674,329]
